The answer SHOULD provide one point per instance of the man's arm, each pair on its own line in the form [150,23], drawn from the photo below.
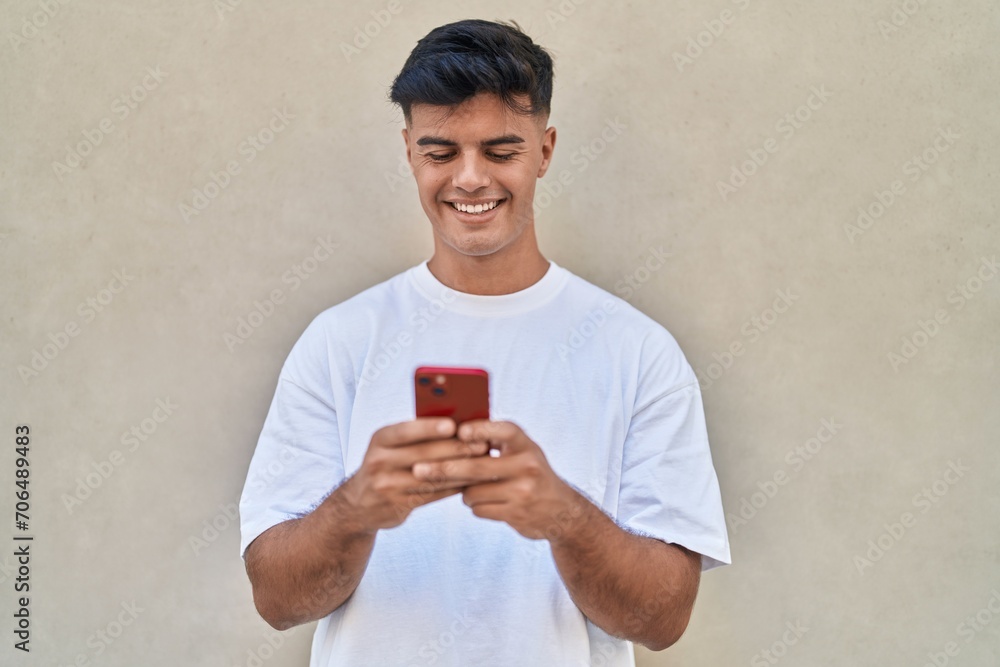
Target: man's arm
[303,569]
[633,587]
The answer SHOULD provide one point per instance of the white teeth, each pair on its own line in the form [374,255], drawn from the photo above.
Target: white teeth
[478,208]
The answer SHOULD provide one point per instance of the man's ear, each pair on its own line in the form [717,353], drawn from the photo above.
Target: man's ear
[548,146]
[406,140]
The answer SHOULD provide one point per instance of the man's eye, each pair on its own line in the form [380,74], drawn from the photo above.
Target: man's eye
[437,157]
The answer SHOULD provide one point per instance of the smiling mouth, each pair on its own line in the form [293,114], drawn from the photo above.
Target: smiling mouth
[478,209]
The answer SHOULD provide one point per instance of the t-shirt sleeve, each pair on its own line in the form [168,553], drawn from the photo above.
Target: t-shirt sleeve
[669,488]
[298,459]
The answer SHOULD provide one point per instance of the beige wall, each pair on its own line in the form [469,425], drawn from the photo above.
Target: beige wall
[927,87]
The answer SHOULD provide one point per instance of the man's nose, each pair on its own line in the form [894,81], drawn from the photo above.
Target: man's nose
[471,173]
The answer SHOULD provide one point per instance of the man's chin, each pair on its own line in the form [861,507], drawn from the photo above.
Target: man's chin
[472,247]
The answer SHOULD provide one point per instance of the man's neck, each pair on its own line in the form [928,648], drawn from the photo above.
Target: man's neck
[492,275]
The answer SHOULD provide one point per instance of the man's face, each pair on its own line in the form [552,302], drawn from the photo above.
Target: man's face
[479,155]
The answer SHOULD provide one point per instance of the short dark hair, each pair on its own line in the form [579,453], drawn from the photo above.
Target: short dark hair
[456,61]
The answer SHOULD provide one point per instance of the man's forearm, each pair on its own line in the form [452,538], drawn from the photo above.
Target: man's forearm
[633,587]
[303,569]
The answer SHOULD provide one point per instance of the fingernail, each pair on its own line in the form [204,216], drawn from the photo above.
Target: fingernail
[421,469]
[444,426]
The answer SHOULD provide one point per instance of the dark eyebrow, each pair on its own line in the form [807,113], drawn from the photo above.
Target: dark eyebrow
[441,141]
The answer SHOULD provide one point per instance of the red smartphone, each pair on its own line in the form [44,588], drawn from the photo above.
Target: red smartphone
[459,393]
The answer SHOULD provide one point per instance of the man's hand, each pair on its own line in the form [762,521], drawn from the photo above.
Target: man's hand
[384,490]
[517,487]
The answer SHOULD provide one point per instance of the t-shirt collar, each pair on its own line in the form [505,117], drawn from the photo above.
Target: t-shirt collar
[521,301]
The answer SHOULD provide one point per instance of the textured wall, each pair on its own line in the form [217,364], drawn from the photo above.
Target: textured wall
[823,177]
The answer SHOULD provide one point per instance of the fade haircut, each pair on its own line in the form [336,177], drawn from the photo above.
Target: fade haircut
[454,62]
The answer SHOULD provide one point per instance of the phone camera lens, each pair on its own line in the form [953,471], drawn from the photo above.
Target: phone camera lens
[437,391]
[424,381]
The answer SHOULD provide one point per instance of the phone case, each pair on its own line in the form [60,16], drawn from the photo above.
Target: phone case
[460,393]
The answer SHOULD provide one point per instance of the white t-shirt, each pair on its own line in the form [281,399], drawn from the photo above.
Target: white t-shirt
[604,390]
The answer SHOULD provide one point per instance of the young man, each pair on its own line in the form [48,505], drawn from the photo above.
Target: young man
[590,529]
